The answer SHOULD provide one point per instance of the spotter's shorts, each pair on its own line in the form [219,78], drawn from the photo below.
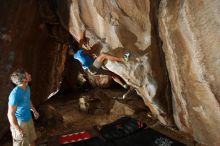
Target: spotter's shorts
[29,134]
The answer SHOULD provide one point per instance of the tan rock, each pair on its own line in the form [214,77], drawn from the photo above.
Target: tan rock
[122,26]
[190,35]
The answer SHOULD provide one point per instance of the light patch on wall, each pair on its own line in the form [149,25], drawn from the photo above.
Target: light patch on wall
[147,39]
[151,90]
[11,57]
[5,37]
[200,110]
[53,93]
[143,41]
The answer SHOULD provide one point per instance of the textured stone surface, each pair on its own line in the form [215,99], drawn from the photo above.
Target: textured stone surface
[24,42]
[189,32]
[190,35]
[124,26]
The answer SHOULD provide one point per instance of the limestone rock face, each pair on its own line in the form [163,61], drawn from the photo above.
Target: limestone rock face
[24,42]
[190,34]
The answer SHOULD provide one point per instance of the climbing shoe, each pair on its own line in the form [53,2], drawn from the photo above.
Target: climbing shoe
[126,56]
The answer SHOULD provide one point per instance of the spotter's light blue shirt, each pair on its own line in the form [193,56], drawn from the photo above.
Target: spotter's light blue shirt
[20,98]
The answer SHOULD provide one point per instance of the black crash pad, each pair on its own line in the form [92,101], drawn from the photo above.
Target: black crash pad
[127,131]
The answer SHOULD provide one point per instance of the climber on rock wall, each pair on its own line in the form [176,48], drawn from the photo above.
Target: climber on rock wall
[93,64]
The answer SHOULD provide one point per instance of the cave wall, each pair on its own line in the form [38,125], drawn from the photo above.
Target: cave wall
[124,26]
[24,42]
[190,31]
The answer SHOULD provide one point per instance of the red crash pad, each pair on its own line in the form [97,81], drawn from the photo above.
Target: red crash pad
[74,137]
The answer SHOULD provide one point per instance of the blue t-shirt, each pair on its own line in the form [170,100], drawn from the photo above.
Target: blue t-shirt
[85,59]
[21,98]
